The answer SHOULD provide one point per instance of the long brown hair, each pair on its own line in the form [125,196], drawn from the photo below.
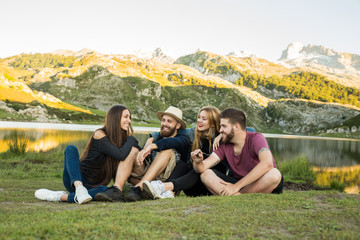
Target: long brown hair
[213,115]
[117,136]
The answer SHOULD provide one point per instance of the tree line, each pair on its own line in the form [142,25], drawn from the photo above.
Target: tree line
[306,85]
[39,60]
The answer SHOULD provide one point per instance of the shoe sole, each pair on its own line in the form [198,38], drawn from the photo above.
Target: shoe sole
[103,198]
[85,200]
[148,189]
[131,199]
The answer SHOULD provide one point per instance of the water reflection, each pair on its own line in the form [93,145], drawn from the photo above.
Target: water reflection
[42,140]
[349,175]
[334,160]
[46,139]
[321,153]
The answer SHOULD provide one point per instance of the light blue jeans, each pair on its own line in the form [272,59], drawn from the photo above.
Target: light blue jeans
[72,173]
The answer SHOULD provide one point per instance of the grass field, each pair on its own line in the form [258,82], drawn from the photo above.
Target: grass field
[291,215]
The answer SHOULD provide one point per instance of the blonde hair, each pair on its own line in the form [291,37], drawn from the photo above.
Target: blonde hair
[213,116]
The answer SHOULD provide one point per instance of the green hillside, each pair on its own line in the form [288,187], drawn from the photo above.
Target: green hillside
[81,87]
[299,84]
[145,97]
[304,85]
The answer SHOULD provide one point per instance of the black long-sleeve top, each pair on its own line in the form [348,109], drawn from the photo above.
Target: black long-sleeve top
[100,148]
[180,143]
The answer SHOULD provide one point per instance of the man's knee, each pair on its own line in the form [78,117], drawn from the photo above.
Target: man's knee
[208,173]
[274,176]
[165,154]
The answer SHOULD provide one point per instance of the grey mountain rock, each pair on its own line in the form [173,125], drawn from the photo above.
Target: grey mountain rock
[344,66]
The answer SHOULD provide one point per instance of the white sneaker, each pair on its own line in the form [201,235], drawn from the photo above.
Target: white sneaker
[154,188]
[167,194]
[48,195]
[82,195]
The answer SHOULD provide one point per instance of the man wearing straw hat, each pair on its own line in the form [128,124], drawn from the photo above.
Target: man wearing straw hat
[163,153]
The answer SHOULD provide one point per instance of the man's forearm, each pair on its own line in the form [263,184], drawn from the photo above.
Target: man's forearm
[148,142]
[256,173]
[198,167]
[152,146]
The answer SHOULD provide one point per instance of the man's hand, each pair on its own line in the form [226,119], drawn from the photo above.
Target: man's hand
[197,156]
[228,189]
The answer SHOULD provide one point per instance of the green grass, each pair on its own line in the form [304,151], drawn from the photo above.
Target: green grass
[296,170]
[314,215]
[17,143]
[355,135]
[291,215]
[336,185]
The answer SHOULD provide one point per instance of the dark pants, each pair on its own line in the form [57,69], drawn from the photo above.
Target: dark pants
[185,178]
[72,173]
[231,179]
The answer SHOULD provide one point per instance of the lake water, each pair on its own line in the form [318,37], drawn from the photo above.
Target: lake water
[334,159]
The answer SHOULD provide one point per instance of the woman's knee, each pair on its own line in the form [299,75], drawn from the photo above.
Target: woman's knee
[71,149]
[134,151]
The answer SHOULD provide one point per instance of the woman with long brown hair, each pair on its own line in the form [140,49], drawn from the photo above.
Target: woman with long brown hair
[109,154]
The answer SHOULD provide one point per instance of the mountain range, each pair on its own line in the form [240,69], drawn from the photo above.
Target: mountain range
[309,89]
[341,67]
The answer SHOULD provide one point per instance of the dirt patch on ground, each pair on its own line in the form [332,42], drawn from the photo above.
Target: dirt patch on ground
[197,209]
[301,186]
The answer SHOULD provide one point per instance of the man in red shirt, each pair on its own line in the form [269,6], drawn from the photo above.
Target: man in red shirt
[253,169]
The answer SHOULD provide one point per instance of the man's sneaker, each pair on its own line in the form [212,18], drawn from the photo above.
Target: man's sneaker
[112,194]
[154,188]
[48,195]
[134,195]
[167,194]
[82,195]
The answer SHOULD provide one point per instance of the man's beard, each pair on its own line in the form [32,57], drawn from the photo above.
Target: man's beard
[229,136]
[168,133]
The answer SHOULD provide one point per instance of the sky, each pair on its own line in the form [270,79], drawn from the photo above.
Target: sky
[179,27]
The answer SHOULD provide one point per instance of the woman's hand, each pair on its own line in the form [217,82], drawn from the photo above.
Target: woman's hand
[216,142]
[197,156]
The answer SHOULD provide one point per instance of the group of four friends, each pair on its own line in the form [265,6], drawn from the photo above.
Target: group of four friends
[219,156]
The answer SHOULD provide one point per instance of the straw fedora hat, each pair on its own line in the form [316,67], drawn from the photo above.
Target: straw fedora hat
[173,112]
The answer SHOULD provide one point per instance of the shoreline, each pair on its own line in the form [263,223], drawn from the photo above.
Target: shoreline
[137,129]
[64,126]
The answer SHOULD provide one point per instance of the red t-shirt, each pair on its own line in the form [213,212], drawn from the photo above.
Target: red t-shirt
[242,164]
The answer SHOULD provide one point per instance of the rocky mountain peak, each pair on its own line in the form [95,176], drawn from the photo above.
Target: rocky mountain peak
[86,51]
[82,52]
[298,50]
[240,54]
[156,54]
[324,60]
[292,51]
[63,52]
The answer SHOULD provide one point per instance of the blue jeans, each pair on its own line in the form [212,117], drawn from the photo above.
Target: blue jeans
[72,173]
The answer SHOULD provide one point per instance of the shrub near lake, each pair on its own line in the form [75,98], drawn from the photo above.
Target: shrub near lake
[294,214]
